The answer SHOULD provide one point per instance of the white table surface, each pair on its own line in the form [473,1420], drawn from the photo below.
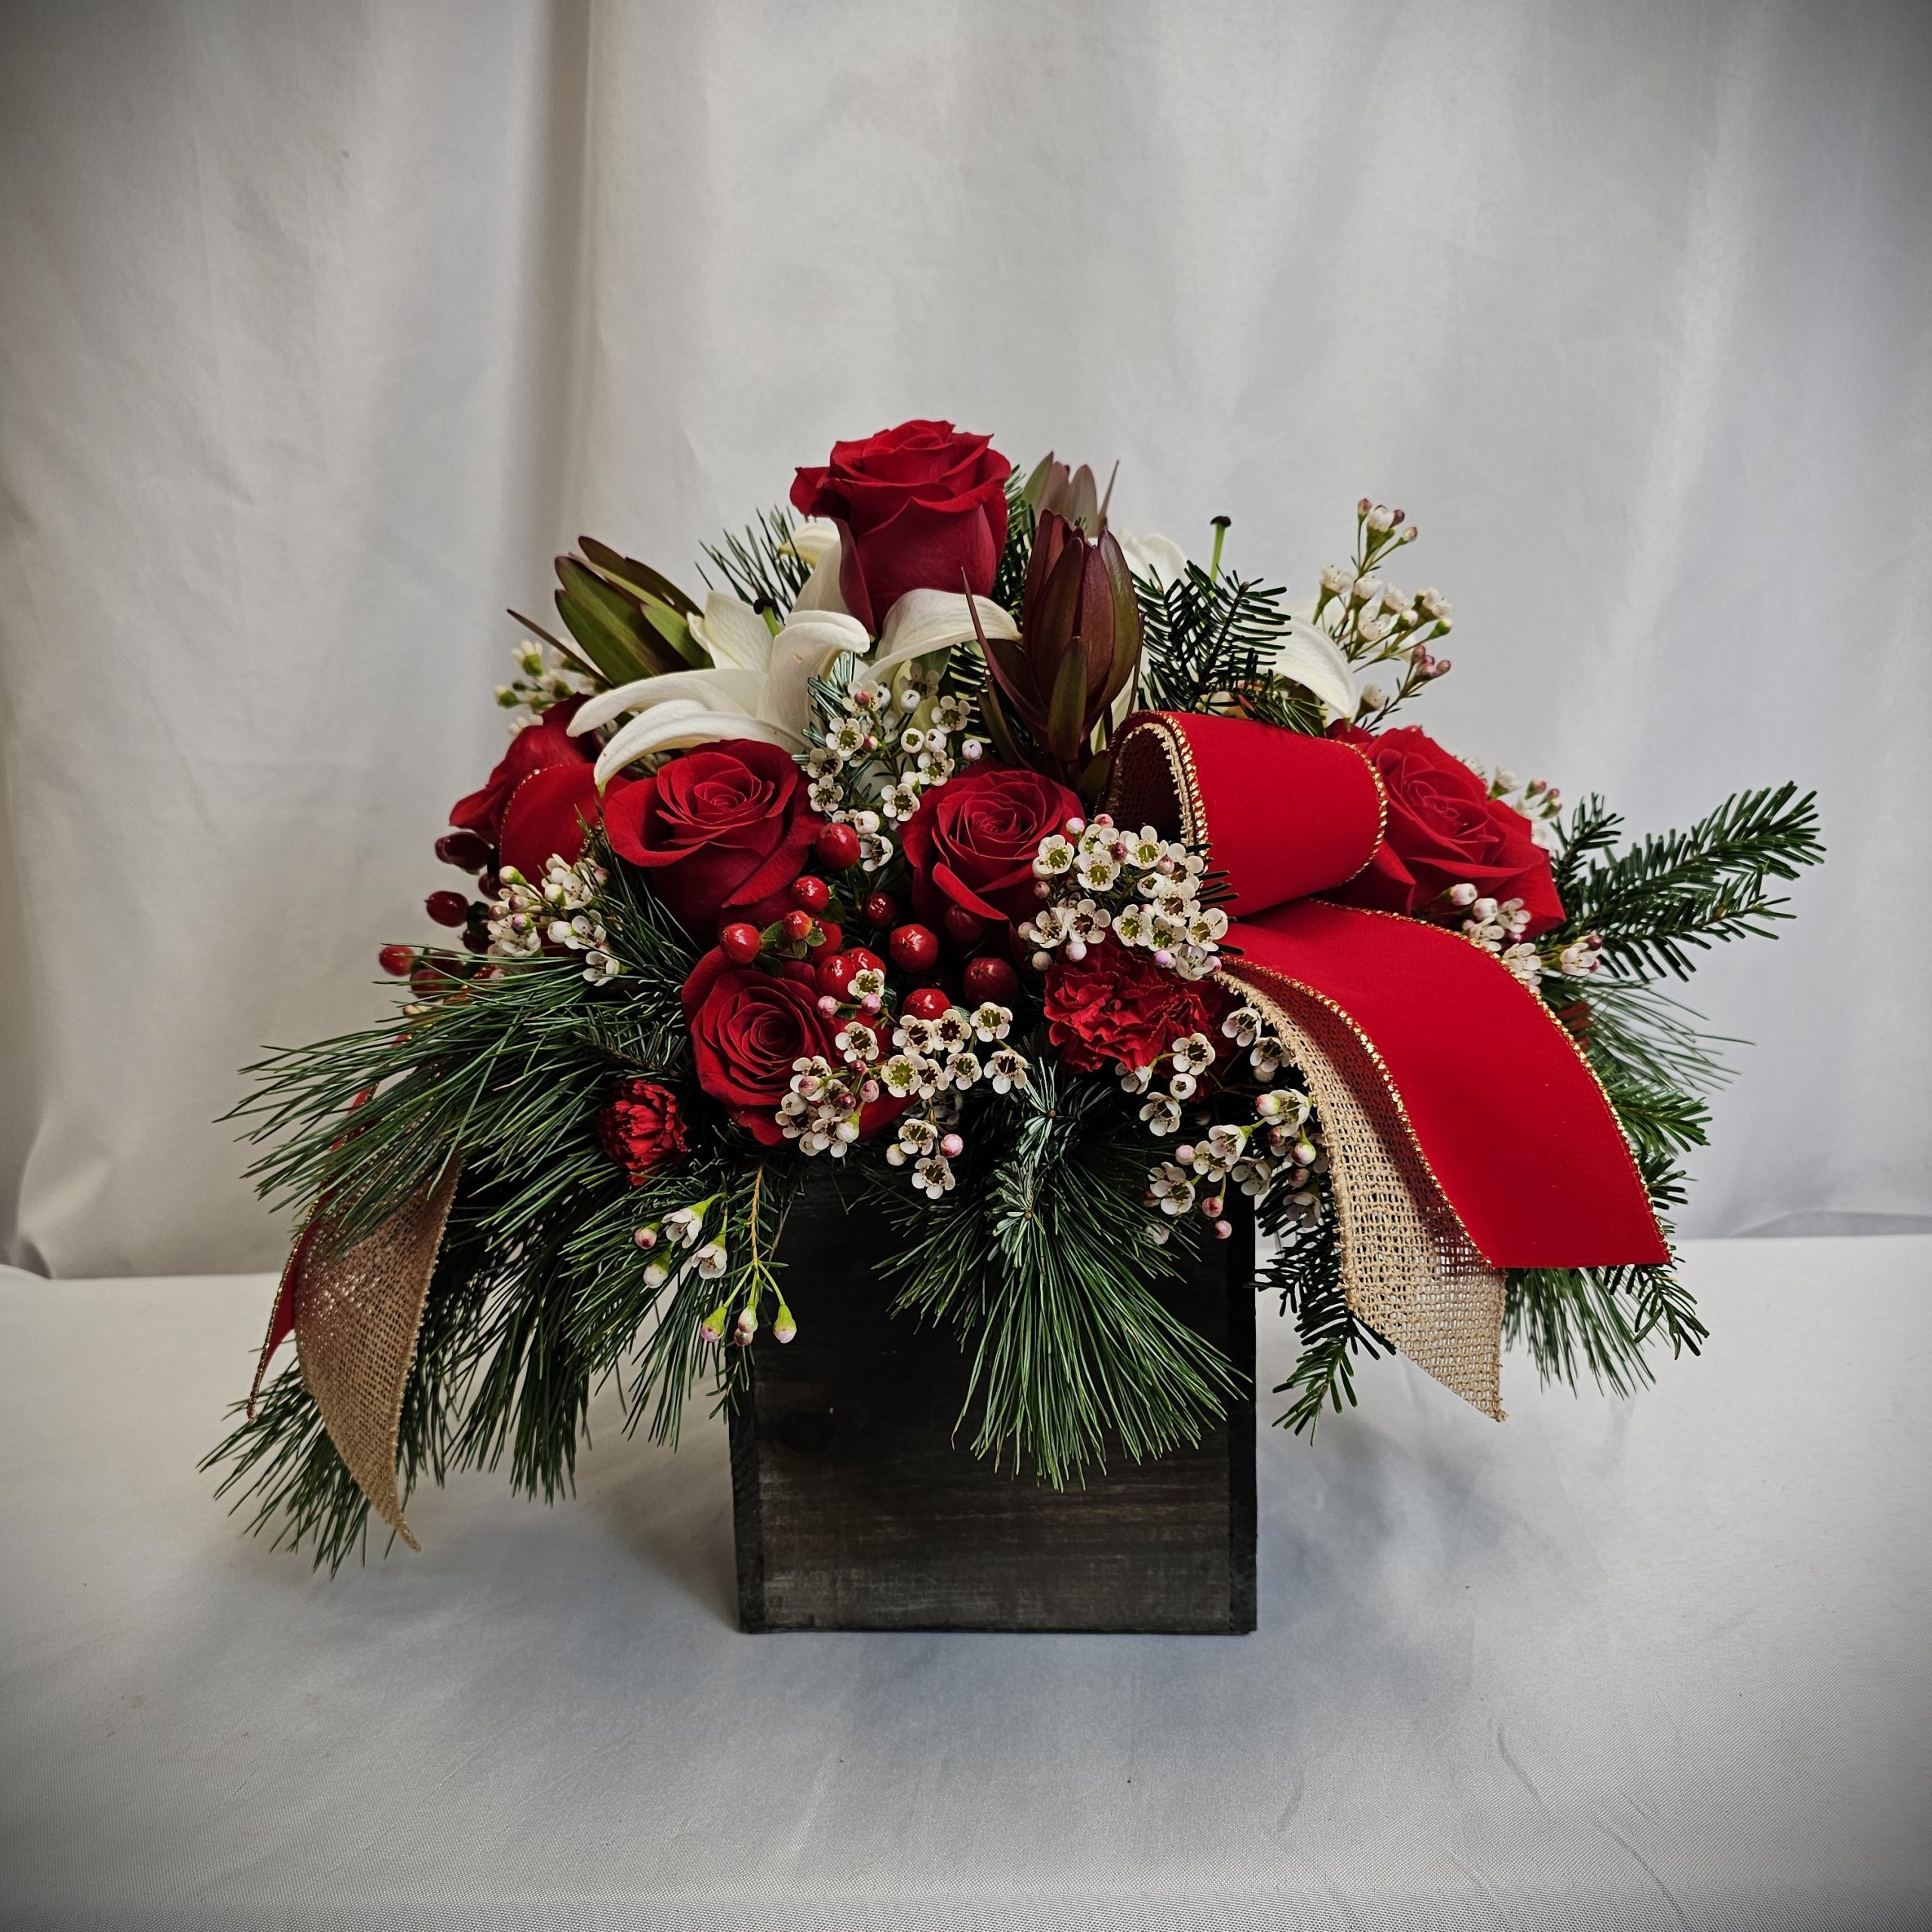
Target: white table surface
[1656,1663]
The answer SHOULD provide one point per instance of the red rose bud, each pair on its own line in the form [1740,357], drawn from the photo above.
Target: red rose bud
[447,908]
[880,909]
[837,846]
[642,1129]
[990,977]
[797,927]
[927,1002]
[466,851]
[740,943]
[813,894]
[918,508]
[914,948]
[964,928]
[397,960]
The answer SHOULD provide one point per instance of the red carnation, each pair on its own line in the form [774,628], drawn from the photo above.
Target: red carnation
[1115,1007]
[1443,830]
[723,831]
[642,1128]
[918,508]
[973,841]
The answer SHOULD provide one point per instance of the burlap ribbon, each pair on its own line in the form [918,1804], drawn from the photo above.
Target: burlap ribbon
[355,1311]
[1466,1134]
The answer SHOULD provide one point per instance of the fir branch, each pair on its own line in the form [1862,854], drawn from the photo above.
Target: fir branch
[1203,634]
[1680,891]
[759,564]
[1306,1270]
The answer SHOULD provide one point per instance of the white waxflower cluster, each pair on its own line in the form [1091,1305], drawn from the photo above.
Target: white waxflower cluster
[680,1233]
[1187,1059]
[543,680]
[561,910]
[1100,877]
[1279,1149]
[881,750]
[934,1063]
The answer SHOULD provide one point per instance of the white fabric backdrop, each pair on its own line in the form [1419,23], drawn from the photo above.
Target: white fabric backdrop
[321,328]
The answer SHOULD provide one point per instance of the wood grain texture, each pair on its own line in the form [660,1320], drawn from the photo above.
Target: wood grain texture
[856,1509]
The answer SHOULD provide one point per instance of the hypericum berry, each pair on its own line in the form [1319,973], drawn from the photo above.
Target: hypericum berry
[396,959]
[837,846]
[990,977]
[964,928]
[740,943]
[797,927]
[429,982]
[880,908]
[447,909]
[914,948]
[468,851]
[927,1002]
[813,894]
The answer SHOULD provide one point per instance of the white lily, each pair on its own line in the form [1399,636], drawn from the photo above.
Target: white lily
[1307,655]
[758,686]
[1160,557]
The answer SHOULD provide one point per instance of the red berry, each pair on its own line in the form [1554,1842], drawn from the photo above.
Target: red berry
[396,959]
[468,851]
[447,908]
[473,942]
[880,908]
[964,928]
[837,846]
[914,948]
[834,975]
[813,894]
[927,1002]
[796,927]
[990,977]
[429,982]
[831,936]
[740,943]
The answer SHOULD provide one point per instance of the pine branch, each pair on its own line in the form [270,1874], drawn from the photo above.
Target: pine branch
[1681,891]
[757,563]
[1038,1262]
[1601,1319]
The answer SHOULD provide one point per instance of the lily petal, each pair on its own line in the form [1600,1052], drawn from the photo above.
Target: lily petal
[813,540]
[737,637]
[682,722]
[1310,657]
[821,590]
[804,649]
[924,621]
[1160,557]
[717,690]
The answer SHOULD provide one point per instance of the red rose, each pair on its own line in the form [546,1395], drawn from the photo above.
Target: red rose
[747,1028]
[973,841]
[916,507]
[641,1128]
[723,831]
[1117,1007]
[1443,830]
[539,796]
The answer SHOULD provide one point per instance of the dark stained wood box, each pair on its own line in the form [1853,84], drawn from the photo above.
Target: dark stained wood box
[856,1509]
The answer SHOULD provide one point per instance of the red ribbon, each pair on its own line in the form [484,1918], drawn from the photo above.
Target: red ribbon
[1505,1112]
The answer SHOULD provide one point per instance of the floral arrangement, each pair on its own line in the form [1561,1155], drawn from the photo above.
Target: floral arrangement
[1060,899]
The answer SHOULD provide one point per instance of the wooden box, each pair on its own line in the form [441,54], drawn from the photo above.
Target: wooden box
[856,1509]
